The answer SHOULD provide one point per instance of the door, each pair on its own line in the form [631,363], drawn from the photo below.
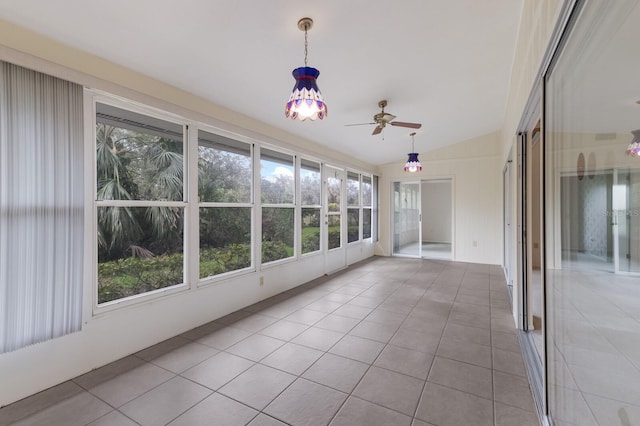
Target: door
[407,232]
[625,216]
[335,211]
[506,217]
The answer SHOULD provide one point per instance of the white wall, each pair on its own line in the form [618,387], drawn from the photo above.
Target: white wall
[476,170]
[112,335]
[436,211]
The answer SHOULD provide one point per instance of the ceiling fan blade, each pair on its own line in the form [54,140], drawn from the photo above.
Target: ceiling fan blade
[359,124]
[403,124]
[376,131]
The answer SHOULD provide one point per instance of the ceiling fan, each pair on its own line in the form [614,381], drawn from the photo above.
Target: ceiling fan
[382,118]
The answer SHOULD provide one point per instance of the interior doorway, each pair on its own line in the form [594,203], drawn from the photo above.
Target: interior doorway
[423,218]
[437,218]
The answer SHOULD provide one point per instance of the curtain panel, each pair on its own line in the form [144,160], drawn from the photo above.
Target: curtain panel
[41,207]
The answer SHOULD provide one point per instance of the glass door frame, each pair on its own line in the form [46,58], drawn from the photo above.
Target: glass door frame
[618,215]
[335,258]
[535,362]
[393,217]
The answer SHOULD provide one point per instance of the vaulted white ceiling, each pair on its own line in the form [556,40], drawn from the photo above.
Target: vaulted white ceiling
[443,63]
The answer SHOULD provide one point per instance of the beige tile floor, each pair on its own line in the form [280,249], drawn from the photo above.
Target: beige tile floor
[386,342]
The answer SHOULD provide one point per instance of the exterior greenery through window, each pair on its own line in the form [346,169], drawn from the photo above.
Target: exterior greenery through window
[139,203]
[367,201]
[277,188]
[141,206]
[310,193]
[225,204]
[353,207]
[334,211]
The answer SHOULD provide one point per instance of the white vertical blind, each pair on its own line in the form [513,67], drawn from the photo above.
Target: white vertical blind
[41,207]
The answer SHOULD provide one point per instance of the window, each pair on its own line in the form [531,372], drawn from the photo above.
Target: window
[277,187]
[334,211]
[139,203]
[353,207]
[225,204]
[367,197]
[310,189]
[374,212]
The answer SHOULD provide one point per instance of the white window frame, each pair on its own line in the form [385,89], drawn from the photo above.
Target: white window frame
[301,206]
[202,282]
[293,205]
[91,98]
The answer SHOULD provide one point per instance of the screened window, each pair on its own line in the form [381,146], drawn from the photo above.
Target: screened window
[310,189]
[277,186]
[334,187]
[139,197]
[367,199]
[353,207]
[224,191]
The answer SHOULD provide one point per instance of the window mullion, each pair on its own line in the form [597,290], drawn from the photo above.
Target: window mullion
[192,215]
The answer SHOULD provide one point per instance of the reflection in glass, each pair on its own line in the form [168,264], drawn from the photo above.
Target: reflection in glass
[592,286]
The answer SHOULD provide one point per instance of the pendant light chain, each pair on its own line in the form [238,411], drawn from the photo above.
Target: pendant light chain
[306,45]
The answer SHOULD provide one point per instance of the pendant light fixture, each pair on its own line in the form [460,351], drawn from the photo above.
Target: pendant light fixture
[306,100]
[633,149]
[413,164]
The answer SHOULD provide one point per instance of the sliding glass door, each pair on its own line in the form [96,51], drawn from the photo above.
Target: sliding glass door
[625,216]
[407,236]
[423,219]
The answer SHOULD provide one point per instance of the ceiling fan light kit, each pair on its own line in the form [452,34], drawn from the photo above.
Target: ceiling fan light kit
[305,101]
[413,163]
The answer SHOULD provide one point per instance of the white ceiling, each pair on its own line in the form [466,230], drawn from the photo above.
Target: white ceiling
[443,63]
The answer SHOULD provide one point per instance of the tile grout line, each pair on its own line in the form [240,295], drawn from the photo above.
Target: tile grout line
[415,412]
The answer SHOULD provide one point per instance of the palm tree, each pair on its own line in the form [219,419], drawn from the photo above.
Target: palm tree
[136,166]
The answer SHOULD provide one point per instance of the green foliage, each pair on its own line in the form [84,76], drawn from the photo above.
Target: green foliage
[277,225]
[127,277]
[334,237]
[214,261]
[310,239]
[222,226]
[275,250]
[136,166]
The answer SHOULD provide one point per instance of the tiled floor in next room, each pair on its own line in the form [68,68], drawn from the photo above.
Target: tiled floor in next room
[387,342]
